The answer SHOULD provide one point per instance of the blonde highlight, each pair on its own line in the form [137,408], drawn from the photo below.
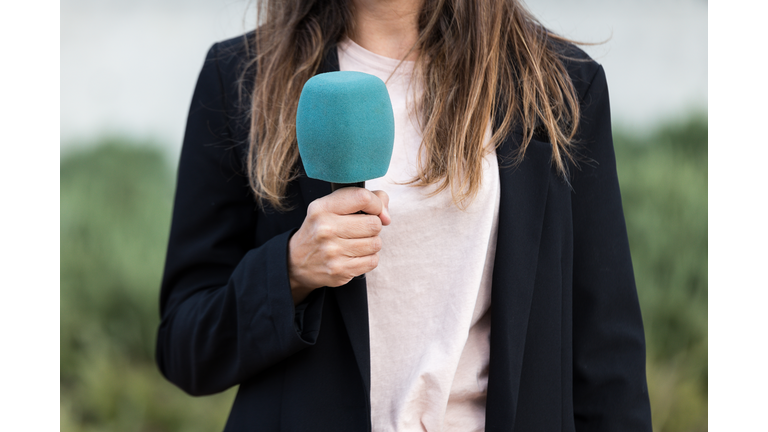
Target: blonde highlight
[506,69]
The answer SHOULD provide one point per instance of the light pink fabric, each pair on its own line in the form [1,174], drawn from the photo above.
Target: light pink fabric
[429,298]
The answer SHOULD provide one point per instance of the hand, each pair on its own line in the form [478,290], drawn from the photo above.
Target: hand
[334,244]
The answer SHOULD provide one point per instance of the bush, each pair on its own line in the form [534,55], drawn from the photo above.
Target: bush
[115,215]
[115,218]
[663,180]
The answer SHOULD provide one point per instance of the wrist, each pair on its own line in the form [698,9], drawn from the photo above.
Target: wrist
[299,289]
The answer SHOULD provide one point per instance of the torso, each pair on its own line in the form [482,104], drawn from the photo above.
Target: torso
[429,298]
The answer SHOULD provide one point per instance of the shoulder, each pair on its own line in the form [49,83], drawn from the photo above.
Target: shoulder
[581,68]
[224,85]
[229,59]
[232,55]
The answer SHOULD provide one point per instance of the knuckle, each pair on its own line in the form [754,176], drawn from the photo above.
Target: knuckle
[313,208]
[374,261]
[335,281]
[323,231]
[333,269]
[363,196]
[374,224]
[338,267]
[376,243]
[339,281]
[326,250]
[332,250]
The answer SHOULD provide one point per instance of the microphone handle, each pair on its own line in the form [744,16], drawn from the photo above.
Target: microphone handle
[337,186]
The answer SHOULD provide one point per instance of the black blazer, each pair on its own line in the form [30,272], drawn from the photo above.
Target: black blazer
[567,344]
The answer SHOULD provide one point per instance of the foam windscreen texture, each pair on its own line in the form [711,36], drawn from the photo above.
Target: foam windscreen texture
[345,127]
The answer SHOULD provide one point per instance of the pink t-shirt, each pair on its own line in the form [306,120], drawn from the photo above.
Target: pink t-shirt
[429,298]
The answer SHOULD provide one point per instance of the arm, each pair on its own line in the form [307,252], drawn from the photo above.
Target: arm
[226,306]
[610,390]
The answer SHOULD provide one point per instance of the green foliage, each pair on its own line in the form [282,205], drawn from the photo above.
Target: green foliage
[115,214]
[663,180]
[115,217]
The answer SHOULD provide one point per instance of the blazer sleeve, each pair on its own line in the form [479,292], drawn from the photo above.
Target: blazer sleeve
[610,391]
[226,308]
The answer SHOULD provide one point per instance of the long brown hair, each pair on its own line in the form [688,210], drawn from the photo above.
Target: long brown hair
[503,63]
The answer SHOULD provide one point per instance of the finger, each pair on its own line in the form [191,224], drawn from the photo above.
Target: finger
[356,226]
[361,265]
[350,200]
[342,269]
[356,248]
[384,215]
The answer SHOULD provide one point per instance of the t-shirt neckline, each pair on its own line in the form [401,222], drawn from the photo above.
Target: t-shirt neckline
[373,60]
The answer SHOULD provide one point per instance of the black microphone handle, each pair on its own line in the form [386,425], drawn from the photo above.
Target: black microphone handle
[337,186]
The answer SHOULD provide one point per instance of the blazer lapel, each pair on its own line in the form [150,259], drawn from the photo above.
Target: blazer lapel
[351,298]
[524,190]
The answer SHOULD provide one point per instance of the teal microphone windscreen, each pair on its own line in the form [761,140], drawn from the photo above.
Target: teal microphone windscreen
[345,127]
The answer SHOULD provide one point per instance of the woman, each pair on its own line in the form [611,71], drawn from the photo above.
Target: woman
[499,292]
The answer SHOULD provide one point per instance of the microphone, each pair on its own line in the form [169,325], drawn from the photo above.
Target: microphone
[345,128]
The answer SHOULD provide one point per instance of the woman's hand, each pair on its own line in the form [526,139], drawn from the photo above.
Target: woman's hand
[335,244]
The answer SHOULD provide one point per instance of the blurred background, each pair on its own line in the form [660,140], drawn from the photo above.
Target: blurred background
[128,69]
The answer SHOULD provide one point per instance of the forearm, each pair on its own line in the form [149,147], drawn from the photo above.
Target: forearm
[217,337]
